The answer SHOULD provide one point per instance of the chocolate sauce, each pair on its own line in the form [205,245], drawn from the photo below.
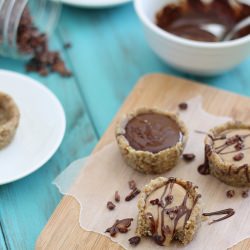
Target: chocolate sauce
[204,169]
[187,18]
[228,213]
[175,213]
[152,132]
[230,194]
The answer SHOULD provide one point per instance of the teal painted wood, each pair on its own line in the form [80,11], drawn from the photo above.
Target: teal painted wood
[108,56]
[110,53]
[2,240]
[26,205]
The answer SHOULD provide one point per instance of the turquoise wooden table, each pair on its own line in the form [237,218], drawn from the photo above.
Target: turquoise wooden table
[108,56]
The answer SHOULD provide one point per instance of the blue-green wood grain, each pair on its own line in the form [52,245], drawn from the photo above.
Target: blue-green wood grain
[26,205]
[2,240]
[108,56]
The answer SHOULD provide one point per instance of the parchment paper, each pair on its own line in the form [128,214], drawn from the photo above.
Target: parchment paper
[94,180]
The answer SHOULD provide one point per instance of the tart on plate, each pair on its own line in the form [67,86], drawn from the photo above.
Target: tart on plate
[9,119]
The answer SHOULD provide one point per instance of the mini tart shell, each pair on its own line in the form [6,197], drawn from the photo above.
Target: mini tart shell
[145,161]
[8,128]
[225,171]
[193,223]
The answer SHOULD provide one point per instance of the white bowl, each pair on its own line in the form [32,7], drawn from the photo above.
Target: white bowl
[202,58]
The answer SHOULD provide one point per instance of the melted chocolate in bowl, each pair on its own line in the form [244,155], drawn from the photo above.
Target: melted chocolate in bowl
[187,18]
[152,132]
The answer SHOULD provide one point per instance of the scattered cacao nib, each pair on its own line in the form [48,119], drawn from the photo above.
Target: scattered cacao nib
[154,202]
[158,239]
[132,184]
[188,157]
[230,194]
[120,226]
[172,212]
[169,199]
[245,194]
[238,157]
[117,196]
[35,43]
[134,241]
[239,146]
[67,45]
[157,202]
[110,205]
[132,194]
[234,139]
[183,106]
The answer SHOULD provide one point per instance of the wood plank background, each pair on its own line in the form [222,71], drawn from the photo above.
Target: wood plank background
[108,56]
[63,230]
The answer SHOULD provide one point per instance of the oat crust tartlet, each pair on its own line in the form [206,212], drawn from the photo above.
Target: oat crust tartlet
[146,161]
[228,153]
[9,119]
[169,210]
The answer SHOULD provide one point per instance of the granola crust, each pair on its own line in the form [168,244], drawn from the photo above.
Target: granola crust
[9,119]
[225,171]
[193,223]
[145,161]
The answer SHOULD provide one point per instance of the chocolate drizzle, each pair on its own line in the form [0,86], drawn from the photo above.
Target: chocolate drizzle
[238,144]
[236,140]
[175,213]
[120,226]
[204,169]
[228,213]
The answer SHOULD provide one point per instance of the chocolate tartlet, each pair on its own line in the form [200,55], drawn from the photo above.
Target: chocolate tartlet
[150,140]
[228,153]
[169,210]
[9,119]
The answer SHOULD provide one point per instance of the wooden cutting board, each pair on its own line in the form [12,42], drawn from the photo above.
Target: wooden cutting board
[63,230]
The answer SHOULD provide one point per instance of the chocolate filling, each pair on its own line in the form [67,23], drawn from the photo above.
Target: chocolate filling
[152,132]
[187,19]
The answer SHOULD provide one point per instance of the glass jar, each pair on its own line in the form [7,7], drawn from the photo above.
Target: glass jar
[44,15]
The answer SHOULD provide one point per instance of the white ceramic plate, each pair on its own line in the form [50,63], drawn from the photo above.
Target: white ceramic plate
[41,129]
[95,3]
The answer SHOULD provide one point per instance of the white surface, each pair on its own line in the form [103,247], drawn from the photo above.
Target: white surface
[41,128]
[201,58]
[95,3]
